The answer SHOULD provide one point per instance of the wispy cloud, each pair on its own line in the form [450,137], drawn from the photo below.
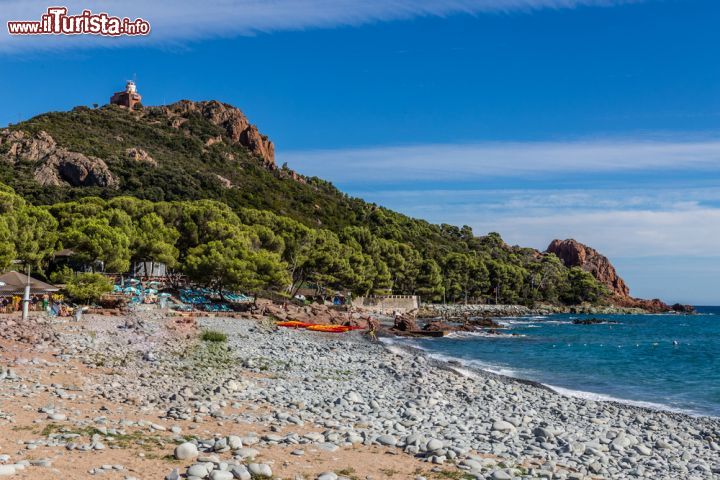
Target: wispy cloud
[477,161]
[639,197]
[662,240]
[617,233]
[182,20]
[638,222]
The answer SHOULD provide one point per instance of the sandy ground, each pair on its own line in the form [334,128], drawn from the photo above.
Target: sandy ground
[144,452]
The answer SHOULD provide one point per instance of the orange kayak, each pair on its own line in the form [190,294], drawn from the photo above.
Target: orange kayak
[294,324]
[329,328]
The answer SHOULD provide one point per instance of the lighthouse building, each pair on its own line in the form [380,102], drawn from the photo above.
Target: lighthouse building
[129,98]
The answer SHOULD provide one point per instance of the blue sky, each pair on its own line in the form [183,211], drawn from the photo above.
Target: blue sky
[539,119]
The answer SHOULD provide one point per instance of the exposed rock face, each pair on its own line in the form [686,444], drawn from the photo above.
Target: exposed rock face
[575,254]
[56,165]
[140,155]
[236,125]
[23,147]
[224,181]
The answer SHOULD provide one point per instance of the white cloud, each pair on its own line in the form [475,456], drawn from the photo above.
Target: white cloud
[452,162]
[181,20]
[619,223]
[463,200]
[617,233]
[528,191]
[662,241]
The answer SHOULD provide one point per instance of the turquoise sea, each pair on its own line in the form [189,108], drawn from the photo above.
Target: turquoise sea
[670,362]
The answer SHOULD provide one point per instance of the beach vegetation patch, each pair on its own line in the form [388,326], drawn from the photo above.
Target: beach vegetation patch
[88,287]
[213,336]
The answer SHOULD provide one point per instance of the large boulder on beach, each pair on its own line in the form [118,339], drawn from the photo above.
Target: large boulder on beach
[186,451]
[260,470]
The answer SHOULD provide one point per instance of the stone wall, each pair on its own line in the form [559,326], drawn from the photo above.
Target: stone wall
[387,303]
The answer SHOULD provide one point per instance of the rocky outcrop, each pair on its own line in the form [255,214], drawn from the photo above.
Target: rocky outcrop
[405,323]
[21,146]
[224,181]
[654,305]
[575,254]
[236,125]
[462,312]
[56,166]
[140,155]
[680,308]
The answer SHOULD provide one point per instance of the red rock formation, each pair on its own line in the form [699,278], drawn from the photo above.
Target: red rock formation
[652,306]
[575,254]
[236,125]
[405,323]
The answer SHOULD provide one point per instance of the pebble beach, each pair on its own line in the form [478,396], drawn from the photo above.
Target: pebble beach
[141,397]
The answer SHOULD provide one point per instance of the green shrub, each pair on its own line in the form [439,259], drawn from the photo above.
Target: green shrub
[88,287]
[63,275]
[213,336]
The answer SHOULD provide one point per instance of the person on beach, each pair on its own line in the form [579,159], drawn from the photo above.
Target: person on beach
[373,325]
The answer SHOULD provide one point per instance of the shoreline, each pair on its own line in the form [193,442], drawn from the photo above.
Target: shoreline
[308,405]
[463,367]
[459,310]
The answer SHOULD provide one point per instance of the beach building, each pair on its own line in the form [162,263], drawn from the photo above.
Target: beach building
[12,290]
[148,269]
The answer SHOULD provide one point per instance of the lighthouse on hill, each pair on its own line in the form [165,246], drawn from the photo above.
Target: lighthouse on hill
[129,98]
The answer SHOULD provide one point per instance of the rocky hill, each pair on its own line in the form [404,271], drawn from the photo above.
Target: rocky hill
[575,254]
[238,129]
[189,151]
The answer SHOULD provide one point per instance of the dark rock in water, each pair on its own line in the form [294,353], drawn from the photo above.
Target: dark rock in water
[484,322]
[680,308]
[591,321]
[405,323]
[439,327]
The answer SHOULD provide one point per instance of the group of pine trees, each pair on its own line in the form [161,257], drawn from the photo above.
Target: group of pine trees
[252,250]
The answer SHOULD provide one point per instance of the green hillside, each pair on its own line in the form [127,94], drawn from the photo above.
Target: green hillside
[314,232]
